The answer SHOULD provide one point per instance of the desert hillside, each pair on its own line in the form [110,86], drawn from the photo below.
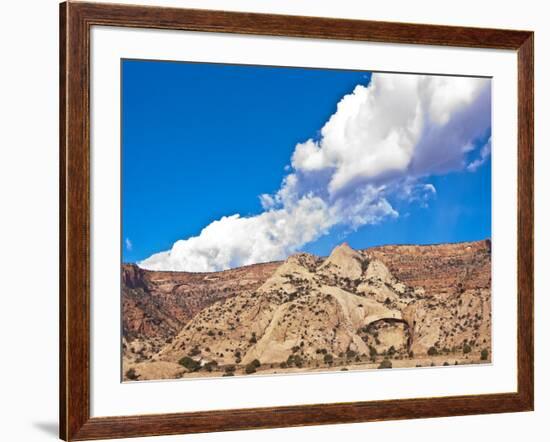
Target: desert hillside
[380,307]
[156,305]
[441,267]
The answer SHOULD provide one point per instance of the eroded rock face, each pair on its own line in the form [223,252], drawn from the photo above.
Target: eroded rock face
[442,268]
[392,300]
[133,277]
[156,305]
[350,302]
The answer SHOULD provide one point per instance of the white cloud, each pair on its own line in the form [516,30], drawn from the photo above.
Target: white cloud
[367,205]
[484,154]
[381,141]
[413,191]
[235,241]
[373,131]
[128,244]
[398,125]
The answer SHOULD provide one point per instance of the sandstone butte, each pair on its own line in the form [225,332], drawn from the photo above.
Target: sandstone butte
[387,306]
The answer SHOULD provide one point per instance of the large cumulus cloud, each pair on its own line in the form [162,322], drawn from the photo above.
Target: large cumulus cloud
[399,125]
[384,139]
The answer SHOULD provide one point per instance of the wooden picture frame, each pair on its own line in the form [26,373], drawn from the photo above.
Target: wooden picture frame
[76,20]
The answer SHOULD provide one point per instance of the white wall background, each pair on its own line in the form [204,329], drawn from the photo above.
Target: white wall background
[29,204]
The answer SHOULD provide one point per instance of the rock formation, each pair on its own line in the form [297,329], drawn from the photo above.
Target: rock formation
[354,307]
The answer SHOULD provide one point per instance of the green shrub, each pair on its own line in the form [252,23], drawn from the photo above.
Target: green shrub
[350,354]
[190,363]
[372,351]
[328,358]
[466,349]
[250,368]
[484,354]
[209,366]
[229,368]
[432,351]
[132,375]
[386,363]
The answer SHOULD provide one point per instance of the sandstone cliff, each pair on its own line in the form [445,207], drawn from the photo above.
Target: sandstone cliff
[156,305]
[402,303]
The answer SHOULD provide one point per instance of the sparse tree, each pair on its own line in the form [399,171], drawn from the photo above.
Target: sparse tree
[250,368]
[190,363]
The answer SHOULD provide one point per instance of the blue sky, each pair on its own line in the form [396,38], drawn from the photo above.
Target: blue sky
[204,141]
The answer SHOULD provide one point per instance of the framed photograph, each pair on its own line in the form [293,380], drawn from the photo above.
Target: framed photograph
[272,221]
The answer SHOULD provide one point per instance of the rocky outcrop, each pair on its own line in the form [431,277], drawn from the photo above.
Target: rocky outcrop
[156,305]
[396,301]
[350,303]
[343,262]
[441,268]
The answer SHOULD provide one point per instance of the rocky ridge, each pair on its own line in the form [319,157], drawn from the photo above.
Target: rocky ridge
[348,308]
[156,305]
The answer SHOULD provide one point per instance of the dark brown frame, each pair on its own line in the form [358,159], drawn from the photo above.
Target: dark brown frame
[76,20]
